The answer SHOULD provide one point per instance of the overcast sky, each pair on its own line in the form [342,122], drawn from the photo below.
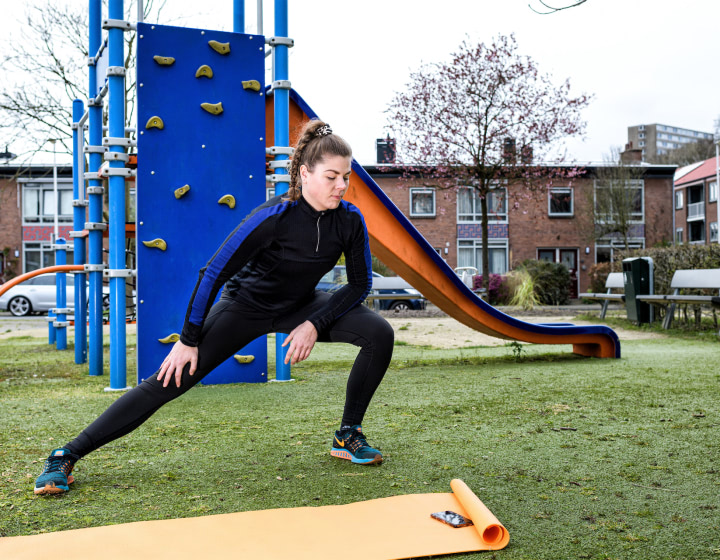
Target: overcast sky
[644,61]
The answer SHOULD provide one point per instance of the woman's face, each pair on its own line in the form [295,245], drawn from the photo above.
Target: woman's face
[324,187]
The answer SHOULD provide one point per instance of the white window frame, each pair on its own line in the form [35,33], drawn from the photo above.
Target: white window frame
[618,245]
[45,249]
[572,202]
[713,232]
[678,200]
[476,246]
[636,183]
[475,216]
[678,236]
[42,187]
[421,190]
[713,192]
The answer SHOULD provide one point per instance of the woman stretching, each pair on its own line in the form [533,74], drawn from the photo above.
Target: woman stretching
[270,266]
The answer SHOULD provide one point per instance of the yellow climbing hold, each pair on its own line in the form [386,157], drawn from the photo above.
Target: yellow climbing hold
[169,339]
[222,48]
[228,199]
[213,108]
[156,244]
[182,191]
[244,359]
[204,70]
[155,122]
[164,60]
[251,84]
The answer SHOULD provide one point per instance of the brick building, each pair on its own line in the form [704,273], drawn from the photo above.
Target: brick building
[27,216]
[696,203]
[555,226]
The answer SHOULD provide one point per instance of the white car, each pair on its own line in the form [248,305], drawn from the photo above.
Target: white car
[38,295]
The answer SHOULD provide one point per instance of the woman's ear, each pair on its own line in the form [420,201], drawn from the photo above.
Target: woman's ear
[303,172]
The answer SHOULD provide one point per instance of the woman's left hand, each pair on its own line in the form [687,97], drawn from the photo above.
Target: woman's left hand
[301,340]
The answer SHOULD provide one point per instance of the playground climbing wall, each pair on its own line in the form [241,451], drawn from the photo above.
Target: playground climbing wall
[201,169]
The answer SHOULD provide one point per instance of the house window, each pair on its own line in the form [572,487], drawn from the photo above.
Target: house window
[39,203]
[422,203]
[605,248]
[470,254]
[608,196]
[713,191]
[560,202]
[679,236]
[642,143]
[37,255]
[678,200]
[469,210]
[641,135]
[696,232]
[713,232]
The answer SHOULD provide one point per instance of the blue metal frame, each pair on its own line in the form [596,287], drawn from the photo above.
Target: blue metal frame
[61,295]
[116,185]
[95,347]
[79,247]
[281,102]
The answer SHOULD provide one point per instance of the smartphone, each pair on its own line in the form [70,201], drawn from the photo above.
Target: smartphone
[451,518]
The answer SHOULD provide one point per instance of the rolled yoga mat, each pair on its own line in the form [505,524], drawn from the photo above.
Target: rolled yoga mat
[382,529]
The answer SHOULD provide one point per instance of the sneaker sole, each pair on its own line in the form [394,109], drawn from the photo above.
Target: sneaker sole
[344,454]
[52,489]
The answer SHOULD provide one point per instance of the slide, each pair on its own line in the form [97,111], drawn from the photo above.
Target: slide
[396,242]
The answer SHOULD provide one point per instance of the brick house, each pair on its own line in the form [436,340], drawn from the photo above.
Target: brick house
[696,203]
[556,226]
[27,216]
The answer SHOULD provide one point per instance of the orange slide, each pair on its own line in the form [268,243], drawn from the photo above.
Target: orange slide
[398,527]
[395,241]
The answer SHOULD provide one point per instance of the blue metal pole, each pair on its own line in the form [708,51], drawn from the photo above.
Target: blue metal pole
[51,328]
[79,242]
[281,101]
[95,347]
[116,184]
[238,16]
[61,296]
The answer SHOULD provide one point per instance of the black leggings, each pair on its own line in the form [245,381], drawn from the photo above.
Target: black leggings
[230,326]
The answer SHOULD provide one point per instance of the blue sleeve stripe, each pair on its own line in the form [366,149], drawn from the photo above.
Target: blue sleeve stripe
[221,258]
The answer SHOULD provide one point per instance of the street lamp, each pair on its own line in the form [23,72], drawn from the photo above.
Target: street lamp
[55,188]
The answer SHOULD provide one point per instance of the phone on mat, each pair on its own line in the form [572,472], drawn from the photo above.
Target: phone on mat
[451,518]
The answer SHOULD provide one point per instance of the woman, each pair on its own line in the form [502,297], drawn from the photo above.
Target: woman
[270,266]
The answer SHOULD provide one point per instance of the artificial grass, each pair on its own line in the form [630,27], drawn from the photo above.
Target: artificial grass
[578,457]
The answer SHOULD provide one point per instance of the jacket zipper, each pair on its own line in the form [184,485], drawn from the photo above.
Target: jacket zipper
[317,247]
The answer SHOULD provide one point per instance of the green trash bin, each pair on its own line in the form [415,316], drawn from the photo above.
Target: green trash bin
[638,278]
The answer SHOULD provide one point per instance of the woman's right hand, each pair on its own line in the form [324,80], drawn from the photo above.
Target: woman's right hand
[175,361]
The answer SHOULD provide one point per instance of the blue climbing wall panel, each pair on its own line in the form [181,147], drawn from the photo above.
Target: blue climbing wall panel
[214,153]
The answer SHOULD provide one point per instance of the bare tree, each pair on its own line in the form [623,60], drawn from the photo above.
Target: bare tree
[688,153]
[49,63]
[480,120]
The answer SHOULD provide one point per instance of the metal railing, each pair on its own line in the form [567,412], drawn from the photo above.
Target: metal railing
[696,211]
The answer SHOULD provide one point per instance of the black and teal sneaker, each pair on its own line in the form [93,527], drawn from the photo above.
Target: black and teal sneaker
[351,444]
[56,477]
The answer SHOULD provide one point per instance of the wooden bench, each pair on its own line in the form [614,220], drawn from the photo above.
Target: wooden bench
[687,280]
[614,282]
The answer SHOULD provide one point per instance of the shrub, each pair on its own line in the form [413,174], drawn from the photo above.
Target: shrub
[551,280]
[598,274]
[521,286]
[497,292]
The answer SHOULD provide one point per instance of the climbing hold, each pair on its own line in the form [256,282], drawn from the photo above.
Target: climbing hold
[244,359]
[228,199]
[204,70]
[213,108]
[164,60]
[156,243]
[182,191]
[169,339]
[222,48]
[251,84]
[155,122]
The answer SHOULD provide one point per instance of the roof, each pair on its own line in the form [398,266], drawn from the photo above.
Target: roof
[705,170]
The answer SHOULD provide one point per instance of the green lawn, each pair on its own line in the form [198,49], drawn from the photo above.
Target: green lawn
[578,457]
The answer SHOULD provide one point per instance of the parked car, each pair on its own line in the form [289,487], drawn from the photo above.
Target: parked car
[38,295]
[337,277]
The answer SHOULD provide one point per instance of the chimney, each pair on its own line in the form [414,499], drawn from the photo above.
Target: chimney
[631,155]
[385,149]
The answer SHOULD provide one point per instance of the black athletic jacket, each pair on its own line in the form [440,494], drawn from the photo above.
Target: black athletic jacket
[274,259]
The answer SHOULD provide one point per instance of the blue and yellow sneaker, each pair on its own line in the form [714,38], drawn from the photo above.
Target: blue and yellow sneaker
[56,476]
[351,444]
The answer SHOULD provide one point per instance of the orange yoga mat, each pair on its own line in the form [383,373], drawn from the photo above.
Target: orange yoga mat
[386,528]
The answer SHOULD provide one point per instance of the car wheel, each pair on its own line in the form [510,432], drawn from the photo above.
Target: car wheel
[398,306]
[20,306]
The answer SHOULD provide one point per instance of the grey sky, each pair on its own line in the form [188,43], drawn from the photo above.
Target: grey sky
[644,61]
